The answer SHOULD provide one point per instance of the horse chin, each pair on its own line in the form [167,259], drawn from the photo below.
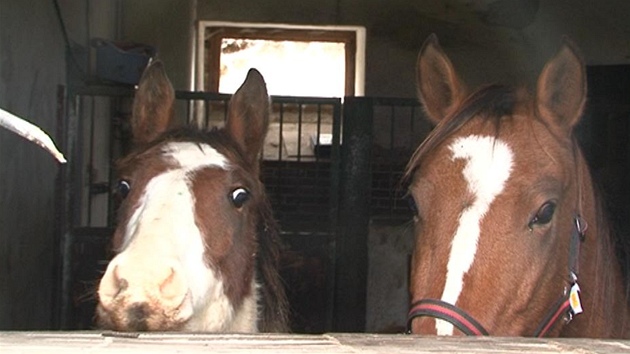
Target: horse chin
[144,316]
[423,326]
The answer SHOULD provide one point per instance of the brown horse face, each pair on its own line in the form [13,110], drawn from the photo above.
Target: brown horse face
[495,190]
[186,238]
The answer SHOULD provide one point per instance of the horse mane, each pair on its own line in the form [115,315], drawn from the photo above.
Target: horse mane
[610,252]
[274,304]
[492,102]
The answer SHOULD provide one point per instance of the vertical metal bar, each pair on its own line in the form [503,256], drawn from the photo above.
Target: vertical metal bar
[90,171]
[78,168]
[206,113]
[354,206]
[299,134]
[392,156]
[335,175]
[61,212]
[190,113]
[189,116]
[114,107]
[280,129]
[72,198]
[319,131]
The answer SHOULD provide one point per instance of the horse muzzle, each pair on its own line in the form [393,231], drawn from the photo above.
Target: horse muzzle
[143,297]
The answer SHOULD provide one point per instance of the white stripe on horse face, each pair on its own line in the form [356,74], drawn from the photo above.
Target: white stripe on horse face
[192,156]
[164,221]
[488,166]
[189,157]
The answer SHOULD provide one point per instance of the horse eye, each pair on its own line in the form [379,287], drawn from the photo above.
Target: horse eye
[544,214]
[123,188]
[239,196]
[412,204]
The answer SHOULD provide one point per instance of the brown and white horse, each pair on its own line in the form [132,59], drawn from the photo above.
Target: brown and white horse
[196,243]
[503,198]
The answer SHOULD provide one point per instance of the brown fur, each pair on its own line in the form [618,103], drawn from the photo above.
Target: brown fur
[517,274]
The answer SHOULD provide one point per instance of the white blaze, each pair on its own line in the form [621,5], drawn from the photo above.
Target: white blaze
[488,166]
[170,189]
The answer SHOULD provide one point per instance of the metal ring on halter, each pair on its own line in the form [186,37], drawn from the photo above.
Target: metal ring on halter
[581,226]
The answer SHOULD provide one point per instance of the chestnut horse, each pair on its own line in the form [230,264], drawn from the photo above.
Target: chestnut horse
[503,199]
[196,243]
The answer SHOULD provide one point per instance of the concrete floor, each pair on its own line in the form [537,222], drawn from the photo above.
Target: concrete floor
[97,342]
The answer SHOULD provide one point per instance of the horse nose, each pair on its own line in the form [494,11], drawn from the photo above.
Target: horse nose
[156,282]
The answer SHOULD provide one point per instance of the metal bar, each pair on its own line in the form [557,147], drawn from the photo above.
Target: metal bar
[335,163]
[319,131]
[110,172]
[390,172]
[90,171]
[72,198]
[356,181]
[280,130]
[61,211]
[299,134]
[206,114]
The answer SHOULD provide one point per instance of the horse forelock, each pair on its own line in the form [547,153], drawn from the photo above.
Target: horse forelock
[490,103]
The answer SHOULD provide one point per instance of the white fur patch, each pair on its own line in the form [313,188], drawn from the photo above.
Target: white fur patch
[488,166]
[192,156]
[164,224]
[220,316]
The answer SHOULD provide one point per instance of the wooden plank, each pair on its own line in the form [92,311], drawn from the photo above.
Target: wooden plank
[108,342]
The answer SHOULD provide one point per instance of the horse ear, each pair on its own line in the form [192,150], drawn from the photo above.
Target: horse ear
[153,104]
[248,116]
[439,88]
[561,88]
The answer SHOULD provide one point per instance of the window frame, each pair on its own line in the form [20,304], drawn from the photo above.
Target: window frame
[211,34]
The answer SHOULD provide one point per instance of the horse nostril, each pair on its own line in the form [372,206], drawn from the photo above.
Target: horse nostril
[119,282]
[111,285]
[172,287]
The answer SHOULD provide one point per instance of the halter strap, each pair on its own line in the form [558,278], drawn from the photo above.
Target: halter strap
[577,237]
[564,305]
[447,312]
[561,307]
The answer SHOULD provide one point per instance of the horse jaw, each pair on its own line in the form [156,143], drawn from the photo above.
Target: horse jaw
[219,314]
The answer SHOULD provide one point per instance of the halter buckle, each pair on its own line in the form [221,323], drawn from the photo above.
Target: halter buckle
[568,317]
[580,225]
